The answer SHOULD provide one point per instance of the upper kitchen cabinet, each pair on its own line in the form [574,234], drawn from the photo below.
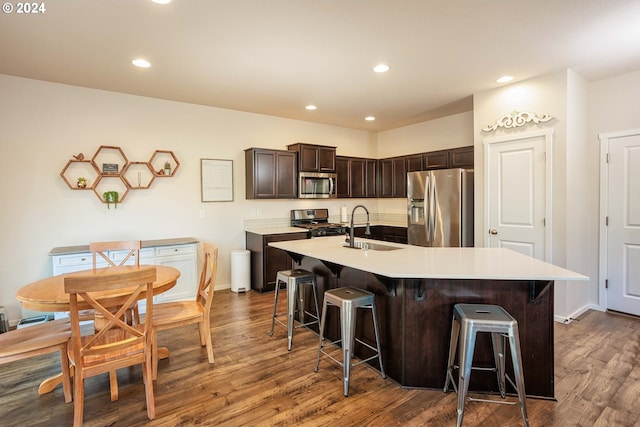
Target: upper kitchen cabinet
[436,160]
[352,176]
[461,157]
[314,158]
[371,175]
[393,177]
[414,163]
[270,174]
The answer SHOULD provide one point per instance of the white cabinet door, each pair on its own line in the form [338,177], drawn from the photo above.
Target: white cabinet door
[182,257]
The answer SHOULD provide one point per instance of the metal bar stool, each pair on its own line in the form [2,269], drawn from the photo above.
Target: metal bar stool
[468,319]
[349,300]
[293,280]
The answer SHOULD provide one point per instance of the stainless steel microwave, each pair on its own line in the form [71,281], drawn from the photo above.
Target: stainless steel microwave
[316,185]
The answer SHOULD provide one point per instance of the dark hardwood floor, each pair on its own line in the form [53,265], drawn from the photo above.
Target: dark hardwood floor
[256,381]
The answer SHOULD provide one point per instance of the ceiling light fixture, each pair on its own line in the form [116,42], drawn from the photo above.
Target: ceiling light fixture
[504,79]
[161,1]
[369,118]
[310,107]
[381,68]
[142,63]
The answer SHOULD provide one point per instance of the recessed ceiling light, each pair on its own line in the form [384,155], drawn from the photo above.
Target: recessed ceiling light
[369,118]
[142,63]
[161,1]
[381,68]
[310,107]
[504,79]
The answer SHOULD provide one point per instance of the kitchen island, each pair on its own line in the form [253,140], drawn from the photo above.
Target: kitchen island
[416,289]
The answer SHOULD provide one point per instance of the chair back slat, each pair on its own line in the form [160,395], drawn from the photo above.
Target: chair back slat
[116,334]
[99,249]
[208,276]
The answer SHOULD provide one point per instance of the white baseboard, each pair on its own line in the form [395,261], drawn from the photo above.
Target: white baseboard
[573,316]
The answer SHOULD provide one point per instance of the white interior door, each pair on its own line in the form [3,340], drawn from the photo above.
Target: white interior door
[623,229]
[518,180]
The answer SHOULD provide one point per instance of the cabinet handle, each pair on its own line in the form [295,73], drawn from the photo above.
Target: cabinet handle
[83,259]
[175,250]
[493,231]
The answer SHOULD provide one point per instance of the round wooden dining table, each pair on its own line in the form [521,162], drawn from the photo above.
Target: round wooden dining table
[48,295]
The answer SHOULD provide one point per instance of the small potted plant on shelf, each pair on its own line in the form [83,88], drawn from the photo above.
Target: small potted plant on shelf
[82,182]
[111,197]
[167,168]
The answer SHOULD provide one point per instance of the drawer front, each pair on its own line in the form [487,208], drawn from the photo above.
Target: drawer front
[118,256]
[74,259]
[175,250]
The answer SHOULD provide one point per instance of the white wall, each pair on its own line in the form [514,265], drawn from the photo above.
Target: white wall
[44,124]
[613,105]
[551,94]
[440,134]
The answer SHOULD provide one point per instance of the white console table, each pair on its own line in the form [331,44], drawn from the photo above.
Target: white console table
[181,253]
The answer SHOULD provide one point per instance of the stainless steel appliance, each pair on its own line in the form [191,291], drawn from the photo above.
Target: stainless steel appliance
[316,185]
[317,222]
[440,207]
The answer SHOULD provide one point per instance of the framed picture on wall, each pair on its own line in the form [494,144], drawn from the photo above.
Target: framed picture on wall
[216,180]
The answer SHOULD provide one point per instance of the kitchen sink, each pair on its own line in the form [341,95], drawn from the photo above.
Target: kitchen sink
[359,244]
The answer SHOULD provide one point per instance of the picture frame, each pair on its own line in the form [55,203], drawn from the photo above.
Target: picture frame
[110,168]
[216,180]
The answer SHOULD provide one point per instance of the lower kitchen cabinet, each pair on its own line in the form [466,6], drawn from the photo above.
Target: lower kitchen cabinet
[181,254]
[386,233]
[266,261]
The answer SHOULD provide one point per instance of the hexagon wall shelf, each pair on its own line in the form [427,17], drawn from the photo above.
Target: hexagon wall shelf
[110,170]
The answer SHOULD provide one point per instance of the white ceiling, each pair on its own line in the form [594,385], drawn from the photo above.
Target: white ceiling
[276,56]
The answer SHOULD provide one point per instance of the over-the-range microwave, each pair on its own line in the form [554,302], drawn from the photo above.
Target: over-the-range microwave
[316,185]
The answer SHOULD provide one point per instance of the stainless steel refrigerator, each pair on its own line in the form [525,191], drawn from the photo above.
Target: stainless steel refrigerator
[440,208]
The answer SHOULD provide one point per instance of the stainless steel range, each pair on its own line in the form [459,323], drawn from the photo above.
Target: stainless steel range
[317,222]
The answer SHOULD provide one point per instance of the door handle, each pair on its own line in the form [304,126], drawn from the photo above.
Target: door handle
[493,231]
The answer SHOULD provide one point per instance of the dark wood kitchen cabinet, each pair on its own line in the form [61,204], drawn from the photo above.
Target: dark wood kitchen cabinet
[436,160]
[386,233]
[270,174]
[371,177]
[461,157]
[352,176]
[414,162]
[314,158]
[266,261]
[393,177]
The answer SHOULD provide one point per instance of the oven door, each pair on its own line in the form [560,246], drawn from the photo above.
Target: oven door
[316,185]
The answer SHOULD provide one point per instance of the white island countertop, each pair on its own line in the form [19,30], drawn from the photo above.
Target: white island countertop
[418,262]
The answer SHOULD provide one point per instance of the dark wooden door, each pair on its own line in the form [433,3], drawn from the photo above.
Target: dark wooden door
[414,163]
[399,177]
[461,157]
[386,178]
[344,177]
[371,176]
[286,175]
[358,179]
[264,174]
[436,160]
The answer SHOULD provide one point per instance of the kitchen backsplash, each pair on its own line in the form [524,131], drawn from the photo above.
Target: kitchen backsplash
[395,219]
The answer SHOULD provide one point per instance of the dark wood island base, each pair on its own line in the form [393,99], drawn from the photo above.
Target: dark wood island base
[415,320]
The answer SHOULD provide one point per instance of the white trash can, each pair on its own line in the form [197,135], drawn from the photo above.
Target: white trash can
[240,270]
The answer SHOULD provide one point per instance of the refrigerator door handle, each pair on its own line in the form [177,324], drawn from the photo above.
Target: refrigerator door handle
[426,206]
[432,210]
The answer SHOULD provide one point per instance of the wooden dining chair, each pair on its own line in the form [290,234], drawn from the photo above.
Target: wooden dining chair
[179,313]
[117,344]
[39,339]
[99,249]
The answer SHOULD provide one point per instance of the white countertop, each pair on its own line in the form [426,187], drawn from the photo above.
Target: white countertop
[419,262]
[264,231]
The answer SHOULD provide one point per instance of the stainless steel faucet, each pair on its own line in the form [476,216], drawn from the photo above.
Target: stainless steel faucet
[367,231]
